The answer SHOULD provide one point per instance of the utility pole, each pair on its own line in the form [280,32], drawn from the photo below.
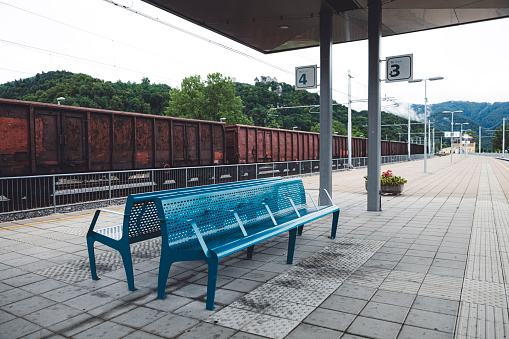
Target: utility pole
[409,155]
[349,120]
[503,137]
[480,140]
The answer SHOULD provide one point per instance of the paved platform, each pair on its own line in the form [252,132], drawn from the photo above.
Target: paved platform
[434,263]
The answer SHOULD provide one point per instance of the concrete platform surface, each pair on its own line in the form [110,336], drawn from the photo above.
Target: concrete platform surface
[434,263]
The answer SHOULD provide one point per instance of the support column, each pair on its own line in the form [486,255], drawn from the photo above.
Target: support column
[325,105]
[374,113]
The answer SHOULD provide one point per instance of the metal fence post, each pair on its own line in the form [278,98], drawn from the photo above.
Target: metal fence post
[273,170]
[186,176]
[109,186]
[238,179]
[54,196]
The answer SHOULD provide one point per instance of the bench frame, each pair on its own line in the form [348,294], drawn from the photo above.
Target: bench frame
[212,255]
[122,244]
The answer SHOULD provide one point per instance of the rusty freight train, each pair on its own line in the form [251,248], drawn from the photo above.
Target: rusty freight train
[38,138]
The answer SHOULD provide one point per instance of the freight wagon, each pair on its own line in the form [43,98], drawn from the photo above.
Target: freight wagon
[38,138]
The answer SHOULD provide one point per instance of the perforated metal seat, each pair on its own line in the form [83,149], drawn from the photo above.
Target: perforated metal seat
[141,222]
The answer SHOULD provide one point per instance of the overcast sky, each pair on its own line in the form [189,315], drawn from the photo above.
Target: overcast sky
[111,43]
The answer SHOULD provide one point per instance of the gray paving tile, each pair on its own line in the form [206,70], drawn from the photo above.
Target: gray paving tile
[52,315]
[106,330]
[393,298]
[28,305]
[65,293]
[374,328]
[355,291]
[436,305]
[196,310]
[409,267]
[330,319]
[244,335]
[242,285]
[344,304]
[171,303]
[258,275]
[138,317]
[447,271]
[4,317]
[170,326]
[205,330]
[13,295]
[22,280]
[411,332]
[386,312]
[431,320]
[90,301]
[306,331]
[226,297]
[191,291]
[141,335]
[18,328]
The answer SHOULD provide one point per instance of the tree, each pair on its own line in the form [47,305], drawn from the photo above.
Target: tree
[497,139]
[337,128]
[212,100]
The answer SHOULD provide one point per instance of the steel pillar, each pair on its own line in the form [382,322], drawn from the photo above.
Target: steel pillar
[374,106]
[325,105]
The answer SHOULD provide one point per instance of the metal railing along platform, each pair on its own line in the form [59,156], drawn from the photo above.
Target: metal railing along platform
[32,193]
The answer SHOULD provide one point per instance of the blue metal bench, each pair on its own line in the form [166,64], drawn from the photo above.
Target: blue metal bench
[141,222]
[211,225]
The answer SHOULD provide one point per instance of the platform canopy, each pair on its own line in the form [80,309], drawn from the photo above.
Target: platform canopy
[272,26]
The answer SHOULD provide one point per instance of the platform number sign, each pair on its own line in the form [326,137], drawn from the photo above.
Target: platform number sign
[305,77]
[399,68]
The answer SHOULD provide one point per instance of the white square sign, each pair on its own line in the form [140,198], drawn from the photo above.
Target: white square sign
[399,68]
[305,77]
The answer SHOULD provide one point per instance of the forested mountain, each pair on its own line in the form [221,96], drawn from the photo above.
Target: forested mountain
[486,115]
[85,91]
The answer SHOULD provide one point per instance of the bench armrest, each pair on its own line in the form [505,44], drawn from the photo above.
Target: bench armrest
[200,238]
[114,212]
[96,216]
[321,189]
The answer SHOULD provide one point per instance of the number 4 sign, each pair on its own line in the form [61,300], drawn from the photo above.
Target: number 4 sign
[399,68]
[305,77]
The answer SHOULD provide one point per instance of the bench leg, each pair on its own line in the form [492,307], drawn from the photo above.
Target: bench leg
[211,284]
[335,218]
[250,251]
[300,229]
[164,270]
[128,266]
[292,239]
[91,256]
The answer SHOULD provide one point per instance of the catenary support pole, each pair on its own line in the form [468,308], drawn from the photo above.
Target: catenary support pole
[325,105]
[349,120]
[374,113]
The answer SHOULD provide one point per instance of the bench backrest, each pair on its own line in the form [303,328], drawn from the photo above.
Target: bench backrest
[141,219]
[211,212]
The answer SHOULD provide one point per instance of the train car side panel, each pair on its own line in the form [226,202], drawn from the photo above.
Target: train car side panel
[14,140]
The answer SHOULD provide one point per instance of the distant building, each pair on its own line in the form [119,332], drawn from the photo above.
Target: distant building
[468,145]
[266,79]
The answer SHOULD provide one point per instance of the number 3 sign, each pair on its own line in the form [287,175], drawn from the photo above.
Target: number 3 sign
[399,68]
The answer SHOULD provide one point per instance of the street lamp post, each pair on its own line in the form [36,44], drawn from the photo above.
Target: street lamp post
[452,124]
[426,115]
[461,137]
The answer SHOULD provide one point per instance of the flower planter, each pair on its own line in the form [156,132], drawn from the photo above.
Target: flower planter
[389,189]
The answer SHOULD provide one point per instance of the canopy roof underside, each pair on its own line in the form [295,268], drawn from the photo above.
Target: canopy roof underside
[279,25]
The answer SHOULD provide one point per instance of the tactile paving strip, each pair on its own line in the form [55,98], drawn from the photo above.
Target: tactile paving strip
[79,270]
[280,304]
[484,299]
